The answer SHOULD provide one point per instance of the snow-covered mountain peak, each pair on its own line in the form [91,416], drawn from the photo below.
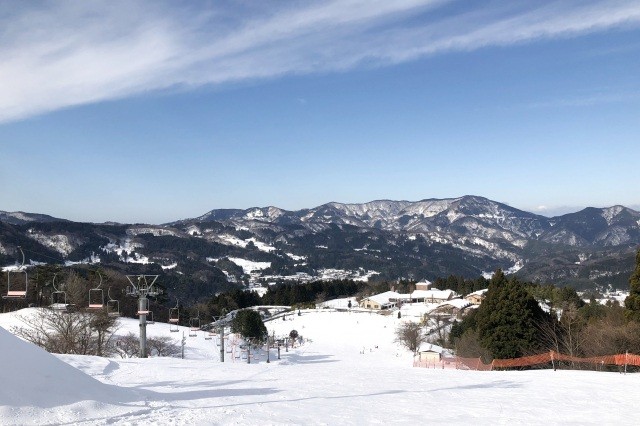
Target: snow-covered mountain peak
[263,213]
[610,213]
[19,218]
[427,208]
[379,209]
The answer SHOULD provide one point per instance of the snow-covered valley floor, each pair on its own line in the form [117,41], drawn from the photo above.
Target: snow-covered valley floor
[351,372]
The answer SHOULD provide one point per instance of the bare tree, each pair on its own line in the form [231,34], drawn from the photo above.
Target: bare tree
[163,346]
[102,325]
[76,289]
[410,335]
[128,346]
[611,335]
[437,326]
[566,335]
[69,332]
[468,346]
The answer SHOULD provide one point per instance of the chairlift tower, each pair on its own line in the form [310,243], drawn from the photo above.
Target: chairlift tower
[221,323]
[142,286]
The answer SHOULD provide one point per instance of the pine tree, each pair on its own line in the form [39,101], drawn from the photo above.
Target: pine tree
[509,319]
[248,323]
[632,302]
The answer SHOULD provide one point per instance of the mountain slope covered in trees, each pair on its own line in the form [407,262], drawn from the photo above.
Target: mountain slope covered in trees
[466,236]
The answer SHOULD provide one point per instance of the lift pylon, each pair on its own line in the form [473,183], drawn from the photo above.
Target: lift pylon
[142,286]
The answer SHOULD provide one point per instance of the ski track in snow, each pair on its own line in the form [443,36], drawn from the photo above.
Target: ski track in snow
[327,381]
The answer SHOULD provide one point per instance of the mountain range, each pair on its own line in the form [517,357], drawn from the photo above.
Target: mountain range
[465,236]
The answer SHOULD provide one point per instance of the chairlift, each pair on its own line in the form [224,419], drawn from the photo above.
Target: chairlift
[18,286]
[113,305]
[208,335]
[96,296]
[174,318]
[150,318]
[194,325]
[58,297]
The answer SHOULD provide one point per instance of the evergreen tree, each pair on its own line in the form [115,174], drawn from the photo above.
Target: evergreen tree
[248,323]
[632,302]
[509,319]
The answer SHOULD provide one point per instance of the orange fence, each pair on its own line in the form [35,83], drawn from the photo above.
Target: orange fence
[550,357]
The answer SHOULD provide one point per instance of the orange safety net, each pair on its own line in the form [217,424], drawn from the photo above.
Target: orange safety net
[524,361]
[550,357]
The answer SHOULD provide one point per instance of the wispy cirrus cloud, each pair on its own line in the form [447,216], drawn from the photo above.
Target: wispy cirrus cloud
[61,54]
[611,96]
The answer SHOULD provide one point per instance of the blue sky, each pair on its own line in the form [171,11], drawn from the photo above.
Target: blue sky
[157,111]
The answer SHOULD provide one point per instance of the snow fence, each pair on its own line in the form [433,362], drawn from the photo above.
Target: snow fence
[551,358]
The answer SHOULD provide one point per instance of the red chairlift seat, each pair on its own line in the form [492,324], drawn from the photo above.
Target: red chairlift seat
[96,298]
[15,294]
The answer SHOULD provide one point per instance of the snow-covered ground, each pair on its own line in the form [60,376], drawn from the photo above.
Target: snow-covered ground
[350,372]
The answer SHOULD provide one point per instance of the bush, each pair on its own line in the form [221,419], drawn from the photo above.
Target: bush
[129,346]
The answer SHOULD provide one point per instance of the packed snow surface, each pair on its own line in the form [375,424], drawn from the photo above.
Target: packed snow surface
[350,372]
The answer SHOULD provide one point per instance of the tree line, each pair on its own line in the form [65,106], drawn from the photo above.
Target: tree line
[511,323]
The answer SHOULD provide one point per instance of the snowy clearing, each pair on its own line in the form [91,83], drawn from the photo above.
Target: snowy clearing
[351,372]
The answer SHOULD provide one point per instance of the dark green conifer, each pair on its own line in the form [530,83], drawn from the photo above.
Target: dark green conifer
[509,319]
[248,323]
[632,302]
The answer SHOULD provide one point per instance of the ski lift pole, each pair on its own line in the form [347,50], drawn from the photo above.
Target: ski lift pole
[267,336]
[184,342]
[140,287]
[142,306]
[222,343]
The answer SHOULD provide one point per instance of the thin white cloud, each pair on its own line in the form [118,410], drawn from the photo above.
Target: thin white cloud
[611,96]
[63,54]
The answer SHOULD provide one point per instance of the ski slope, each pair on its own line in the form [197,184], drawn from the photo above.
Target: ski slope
[350,372]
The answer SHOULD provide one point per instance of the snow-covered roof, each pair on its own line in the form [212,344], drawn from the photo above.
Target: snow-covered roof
[456,303]
[432,294]
[388,296]
[477,293]
[384,298]
[426,294]
[338,303]
[430,347]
